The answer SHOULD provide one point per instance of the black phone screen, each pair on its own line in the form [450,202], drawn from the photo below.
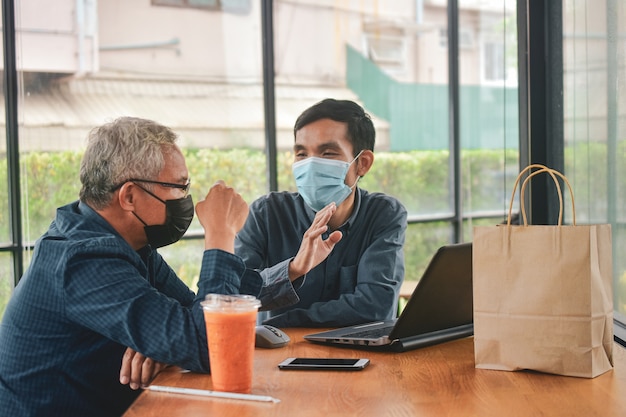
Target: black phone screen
[324,361]
[341,364]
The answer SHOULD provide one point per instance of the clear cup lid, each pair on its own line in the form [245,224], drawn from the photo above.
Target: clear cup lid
[228,302]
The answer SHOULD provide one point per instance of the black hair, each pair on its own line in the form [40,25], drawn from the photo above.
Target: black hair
[361,131]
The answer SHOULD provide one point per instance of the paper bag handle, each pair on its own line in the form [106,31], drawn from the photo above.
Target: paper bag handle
[553,173]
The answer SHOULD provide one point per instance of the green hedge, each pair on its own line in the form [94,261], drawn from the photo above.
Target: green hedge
[420,179]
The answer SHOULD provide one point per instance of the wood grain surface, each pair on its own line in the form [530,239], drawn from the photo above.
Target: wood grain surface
[434,381]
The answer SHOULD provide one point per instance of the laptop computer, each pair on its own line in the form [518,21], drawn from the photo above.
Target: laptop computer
[440,309]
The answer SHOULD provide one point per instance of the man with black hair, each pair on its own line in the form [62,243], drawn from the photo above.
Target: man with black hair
[332,253]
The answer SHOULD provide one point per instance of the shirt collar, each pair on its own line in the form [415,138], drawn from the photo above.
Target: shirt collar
[355,211]
[92,215]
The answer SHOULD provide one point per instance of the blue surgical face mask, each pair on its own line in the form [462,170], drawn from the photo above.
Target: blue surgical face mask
[321,181]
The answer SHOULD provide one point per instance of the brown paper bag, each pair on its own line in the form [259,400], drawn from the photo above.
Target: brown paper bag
[543,294]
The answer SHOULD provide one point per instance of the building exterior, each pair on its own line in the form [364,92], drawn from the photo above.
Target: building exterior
[197,65]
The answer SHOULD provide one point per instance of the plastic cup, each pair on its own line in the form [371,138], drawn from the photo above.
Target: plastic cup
[230,322]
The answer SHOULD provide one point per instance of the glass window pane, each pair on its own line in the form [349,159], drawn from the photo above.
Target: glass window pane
[387,56]
[6,280]
[488,98]
[185,258]
[5,226]
[6,258]
[594,53]
[84,63]
[422,241]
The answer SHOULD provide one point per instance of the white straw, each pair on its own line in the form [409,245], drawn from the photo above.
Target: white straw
[218,394]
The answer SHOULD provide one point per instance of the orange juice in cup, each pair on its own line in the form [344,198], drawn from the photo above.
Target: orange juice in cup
[230,321]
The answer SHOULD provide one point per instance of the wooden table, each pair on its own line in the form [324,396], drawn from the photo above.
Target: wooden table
[434,381]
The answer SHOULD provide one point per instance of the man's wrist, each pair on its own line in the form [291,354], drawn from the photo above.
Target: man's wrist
[294,272]
[219,242]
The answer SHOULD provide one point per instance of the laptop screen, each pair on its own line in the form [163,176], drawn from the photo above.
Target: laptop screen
[443,297]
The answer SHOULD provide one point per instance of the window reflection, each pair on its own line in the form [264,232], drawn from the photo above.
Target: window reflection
[595,131]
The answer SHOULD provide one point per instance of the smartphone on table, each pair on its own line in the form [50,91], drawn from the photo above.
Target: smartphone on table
[330,364]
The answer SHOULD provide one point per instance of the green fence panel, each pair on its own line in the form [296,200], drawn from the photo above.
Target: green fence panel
[371,84]
[418,113]
[418,117]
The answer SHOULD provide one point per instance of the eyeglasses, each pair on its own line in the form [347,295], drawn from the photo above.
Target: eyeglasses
[183,187]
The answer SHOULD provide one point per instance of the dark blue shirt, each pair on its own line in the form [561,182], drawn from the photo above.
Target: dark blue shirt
[358,282]
[88,295]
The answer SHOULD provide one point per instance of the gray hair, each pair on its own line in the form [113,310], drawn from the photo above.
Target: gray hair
[125,148]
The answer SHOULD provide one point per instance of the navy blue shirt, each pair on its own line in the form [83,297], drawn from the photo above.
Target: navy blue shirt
[88,295]
[358,282]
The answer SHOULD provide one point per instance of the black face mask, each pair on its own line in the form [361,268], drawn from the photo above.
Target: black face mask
[179,214]
[178,217]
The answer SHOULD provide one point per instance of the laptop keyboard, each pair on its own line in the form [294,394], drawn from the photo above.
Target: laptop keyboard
[371,333]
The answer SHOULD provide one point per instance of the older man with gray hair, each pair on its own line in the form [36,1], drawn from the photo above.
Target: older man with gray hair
[97,291]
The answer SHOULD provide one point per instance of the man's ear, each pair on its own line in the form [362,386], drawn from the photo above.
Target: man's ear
[365,162]
[125,196]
